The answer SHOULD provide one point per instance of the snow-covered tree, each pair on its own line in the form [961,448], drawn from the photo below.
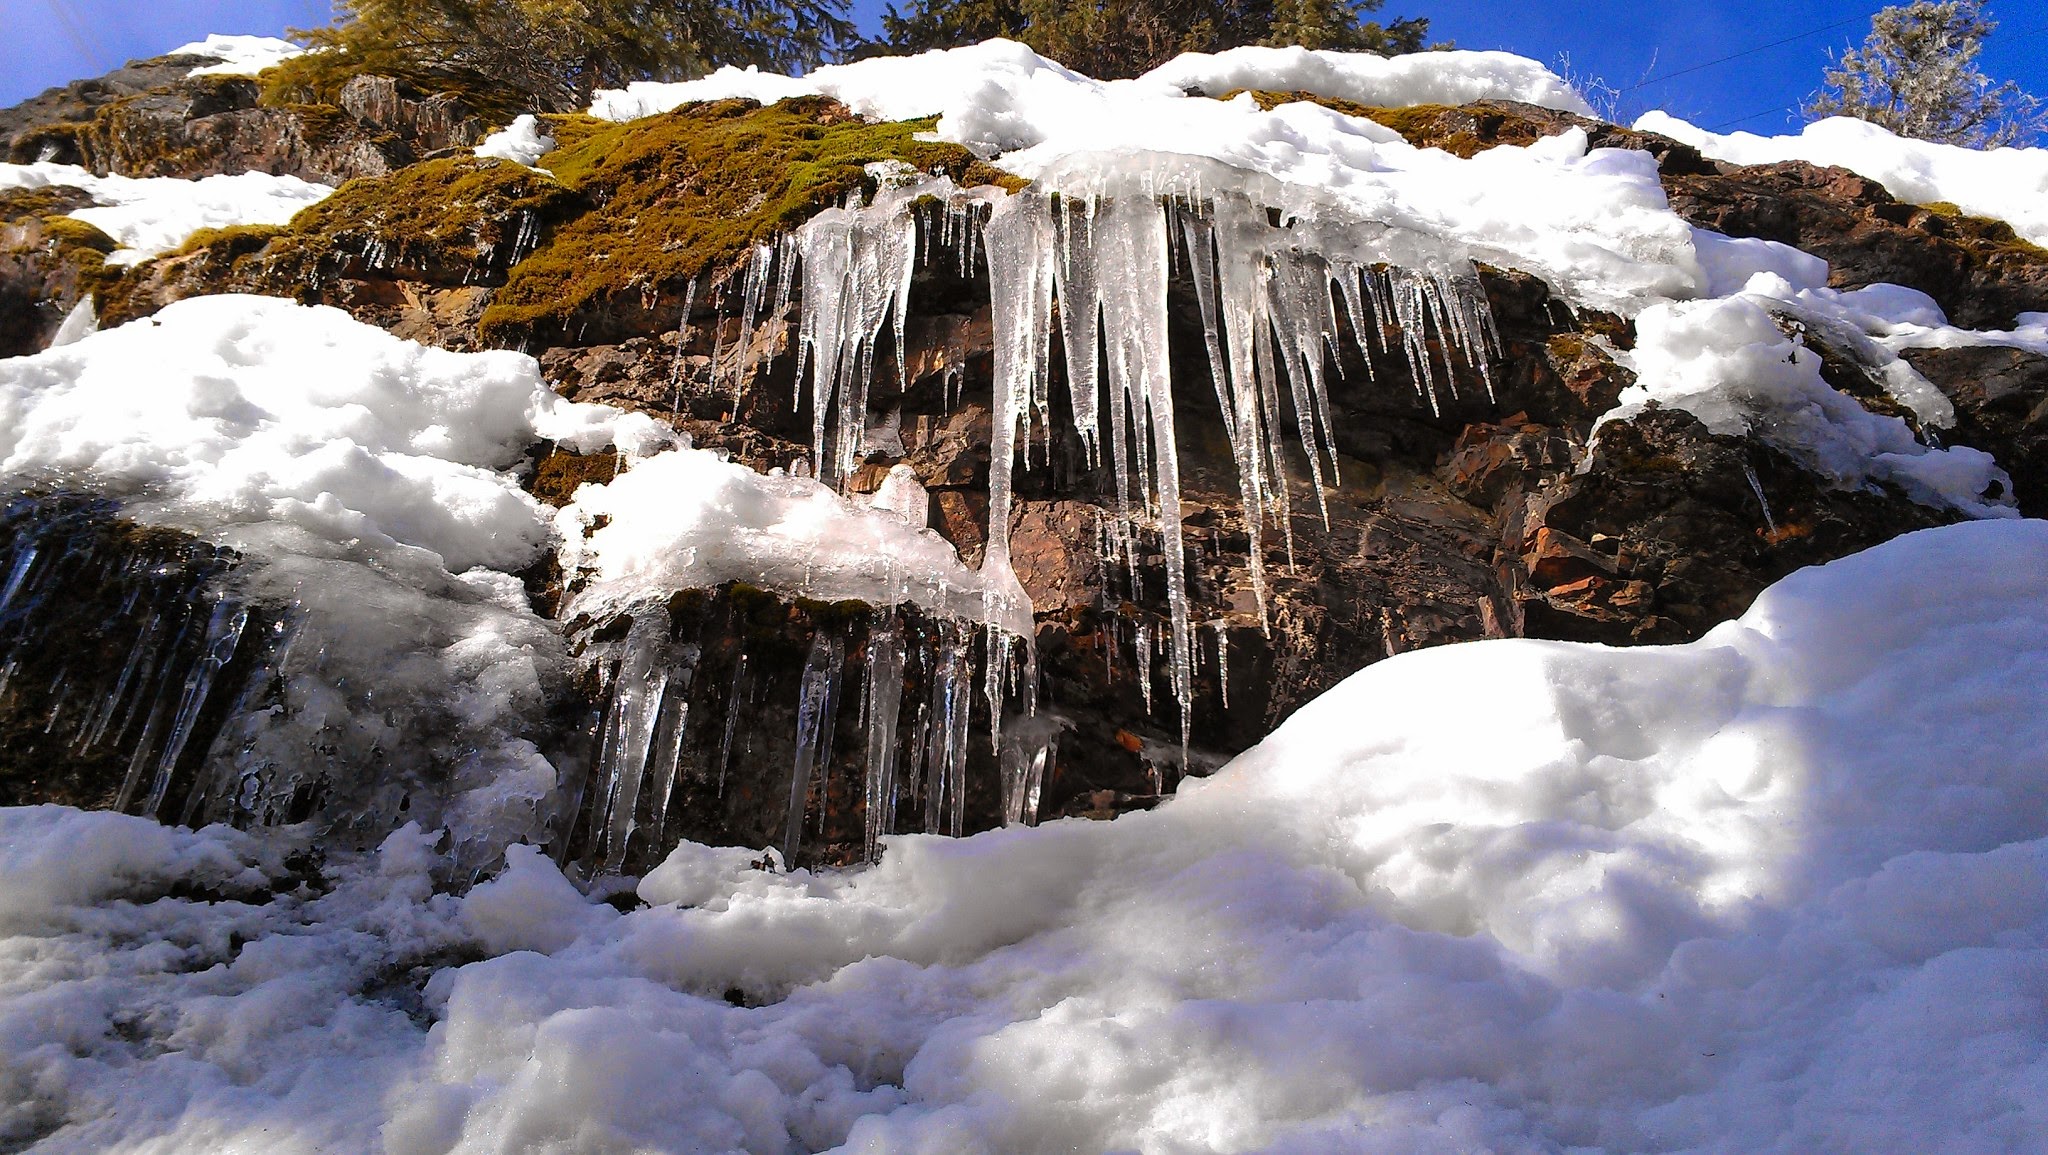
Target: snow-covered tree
[1917,75]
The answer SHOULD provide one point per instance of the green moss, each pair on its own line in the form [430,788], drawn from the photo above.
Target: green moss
[1270,100]
[74,234]
[693,190]
[558,475]
[318,78]
[452,221]
[21,205]
[1984,237]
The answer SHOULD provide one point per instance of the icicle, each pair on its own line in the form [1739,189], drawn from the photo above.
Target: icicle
[1757,487]
[223,635]
[81,322]
[675,381]
[945,778]
[857,267]
[1223,660]
[884,693]
[671,731]
[753,297]
[1141,654]
[732,720]
[636,704]
[1028,750]
[814,716]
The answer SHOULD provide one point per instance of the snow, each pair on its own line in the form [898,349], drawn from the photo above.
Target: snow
[2008,184]
[1594,223]
[1779,889]
[1730,363]
[1455,77]
[1776,890]
[238,55]
[365,479]
[687,519]
[149,216]
[263,412]
[959,82]
[521,142]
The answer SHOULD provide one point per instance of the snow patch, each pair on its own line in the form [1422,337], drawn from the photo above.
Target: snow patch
[149,216]
[1729,363]
[687,519]
[2008,184]
[521,142]
[1375,81]
[238,55]
[225,411]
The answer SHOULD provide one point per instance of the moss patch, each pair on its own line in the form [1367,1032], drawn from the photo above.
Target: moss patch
[692,191]
[451,221]
[63,240]
[1985,237]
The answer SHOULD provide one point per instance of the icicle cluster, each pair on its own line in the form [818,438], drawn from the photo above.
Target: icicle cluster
[1269,295]
[158,606]
[916,683]
[1282,302]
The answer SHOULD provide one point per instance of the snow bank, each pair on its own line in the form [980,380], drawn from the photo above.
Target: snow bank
[363,477]
[688,519]
[2009,184]
[238,55]
[956,82]
[1377,81]
[149,216]
[229,410]
[1782,889]
[521,142]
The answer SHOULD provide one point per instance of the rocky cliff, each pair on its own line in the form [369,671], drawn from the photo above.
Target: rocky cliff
[1498,510]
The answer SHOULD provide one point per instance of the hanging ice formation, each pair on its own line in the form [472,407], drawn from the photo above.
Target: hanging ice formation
[155,630]
[1282,299]
[1277,302]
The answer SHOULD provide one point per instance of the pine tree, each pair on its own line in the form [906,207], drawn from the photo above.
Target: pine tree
[1917,75]
[1120,38]
[550,55]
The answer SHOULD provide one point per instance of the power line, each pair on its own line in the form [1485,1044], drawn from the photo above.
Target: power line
[88,46]
[1747,52]
[1750,117]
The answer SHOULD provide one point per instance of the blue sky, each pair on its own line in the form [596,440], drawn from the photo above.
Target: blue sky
[1659,55]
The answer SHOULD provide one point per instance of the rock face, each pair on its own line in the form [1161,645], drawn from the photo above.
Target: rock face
[1980,273]
[1502,513]
[152,119]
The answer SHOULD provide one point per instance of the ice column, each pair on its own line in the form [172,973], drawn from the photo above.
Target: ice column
[884,706]
[815,711]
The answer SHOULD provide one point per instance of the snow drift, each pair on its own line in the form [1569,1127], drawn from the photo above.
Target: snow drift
[1779,889]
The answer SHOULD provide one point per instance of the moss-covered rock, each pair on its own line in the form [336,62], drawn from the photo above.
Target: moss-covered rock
[687,192]
[48,262]
[453,221]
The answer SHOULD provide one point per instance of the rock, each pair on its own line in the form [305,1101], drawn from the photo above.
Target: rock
[1661,534]
[1977,270]
[2001,401]
[151,119]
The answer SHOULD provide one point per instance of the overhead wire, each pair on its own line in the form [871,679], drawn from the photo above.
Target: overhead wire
[1746,52]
